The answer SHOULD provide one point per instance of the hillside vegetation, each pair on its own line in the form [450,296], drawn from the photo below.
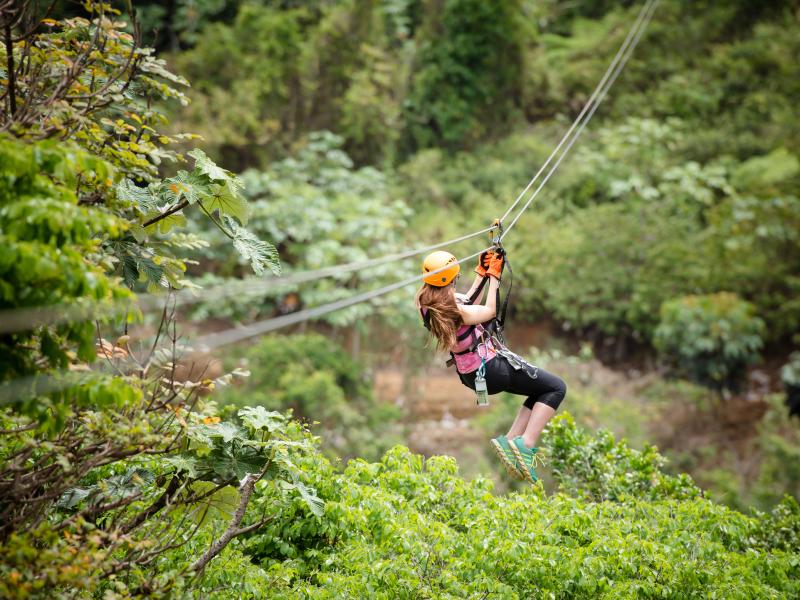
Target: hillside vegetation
[342,130]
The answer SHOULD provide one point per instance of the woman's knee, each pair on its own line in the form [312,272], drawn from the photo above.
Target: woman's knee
[556,396]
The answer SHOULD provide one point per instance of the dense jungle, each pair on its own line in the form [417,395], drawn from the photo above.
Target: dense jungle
[214,381]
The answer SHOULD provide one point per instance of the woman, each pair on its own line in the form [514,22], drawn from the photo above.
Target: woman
[456,324]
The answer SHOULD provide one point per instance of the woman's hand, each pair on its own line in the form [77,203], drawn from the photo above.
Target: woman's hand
[496,264]
[484,261]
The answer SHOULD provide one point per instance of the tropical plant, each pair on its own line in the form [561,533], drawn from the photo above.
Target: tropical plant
[710,338]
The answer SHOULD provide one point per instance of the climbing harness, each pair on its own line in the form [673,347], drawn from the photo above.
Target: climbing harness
[484,337]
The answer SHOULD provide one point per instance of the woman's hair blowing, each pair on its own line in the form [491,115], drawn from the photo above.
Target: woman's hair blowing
[443,314]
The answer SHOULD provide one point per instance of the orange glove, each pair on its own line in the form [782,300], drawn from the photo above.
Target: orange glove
[496,265]
[484,261]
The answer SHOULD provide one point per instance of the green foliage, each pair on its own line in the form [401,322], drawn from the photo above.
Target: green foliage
[50,248]
[778,442]
[348,215]
[711,338]
[406,527]
[245,77]
[599,468]
[755,243]
[160,207]
[320,383]
[466,78]
[609,268]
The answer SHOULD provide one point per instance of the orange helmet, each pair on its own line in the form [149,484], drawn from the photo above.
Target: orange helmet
[440,260]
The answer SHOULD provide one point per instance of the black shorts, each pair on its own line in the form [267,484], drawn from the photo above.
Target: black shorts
[535,383]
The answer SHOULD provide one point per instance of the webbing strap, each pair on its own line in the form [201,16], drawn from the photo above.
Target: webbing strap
[501,314]
[478,291]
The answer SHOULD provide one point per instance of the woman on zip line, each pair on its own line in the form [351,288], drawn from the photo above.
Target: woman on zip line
[459,325]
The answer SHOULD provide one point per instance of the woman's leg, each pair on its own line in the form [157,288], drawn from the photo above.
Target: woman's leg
[520,424]
[545,393]
[539,417]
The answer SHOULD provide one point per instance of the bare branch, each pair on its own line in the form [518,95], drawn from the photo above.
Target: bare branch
[245,491]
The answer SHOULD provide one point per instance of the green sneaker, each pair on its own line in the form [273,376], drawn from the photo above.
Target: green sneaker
[526,458]
[506,455]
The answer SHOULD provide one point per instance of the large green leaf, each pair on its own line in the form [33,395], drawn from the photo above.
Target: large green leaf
[261,254]
[140,197]
[207,166]
[183,464]
[226,199]
[259,417]
[231,462]
[309,496]
[189,186]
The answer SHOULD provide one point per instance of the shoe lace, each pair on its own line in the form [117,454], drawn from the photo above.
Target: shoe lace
[537,460]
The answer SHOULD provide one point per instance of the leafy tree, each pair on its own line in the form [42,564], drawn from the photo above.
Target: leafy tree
[465,82]
[105,472]
[88,80]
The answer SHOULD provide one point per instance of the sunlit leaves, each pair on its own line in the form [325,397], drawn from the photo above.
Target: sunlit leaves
[258,417]
[215,192]
[106,104]
[206,166]
[227,200]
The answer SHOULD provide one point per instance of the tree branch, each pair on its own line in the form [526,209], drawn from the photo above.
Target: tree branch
[246,490]
[164,215]
[12,94]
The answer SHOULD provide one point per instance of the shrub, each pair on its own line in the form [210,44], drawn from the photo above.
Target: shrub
[321,383]
[408,527]
[710,338]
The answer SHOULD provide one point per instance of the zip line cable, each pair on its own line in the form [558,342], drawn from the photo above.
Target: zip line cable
[595,94]
[650,6]
[210,341]
[21,319]
[237,334]
[241,333]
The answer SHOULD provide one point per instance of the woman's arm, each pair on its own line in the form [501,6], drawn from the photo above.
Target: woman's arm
[480,313]
[474,287]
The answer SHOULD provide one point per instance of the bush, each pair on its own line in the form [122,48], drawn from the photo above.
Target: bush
[607,268]
[710,338]
[321,383]
[409,527]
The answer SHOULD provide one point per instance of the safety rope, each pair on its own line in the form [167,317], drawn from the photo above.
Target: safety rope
[637,24]
[237,334]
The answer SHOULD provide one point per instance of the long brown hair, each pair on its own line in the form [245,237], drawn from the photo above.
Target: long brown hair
[443,313]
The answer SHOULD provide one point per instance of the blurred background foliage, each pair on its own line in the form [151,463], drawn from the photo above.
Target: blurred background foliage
[663,261]
[669,240]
